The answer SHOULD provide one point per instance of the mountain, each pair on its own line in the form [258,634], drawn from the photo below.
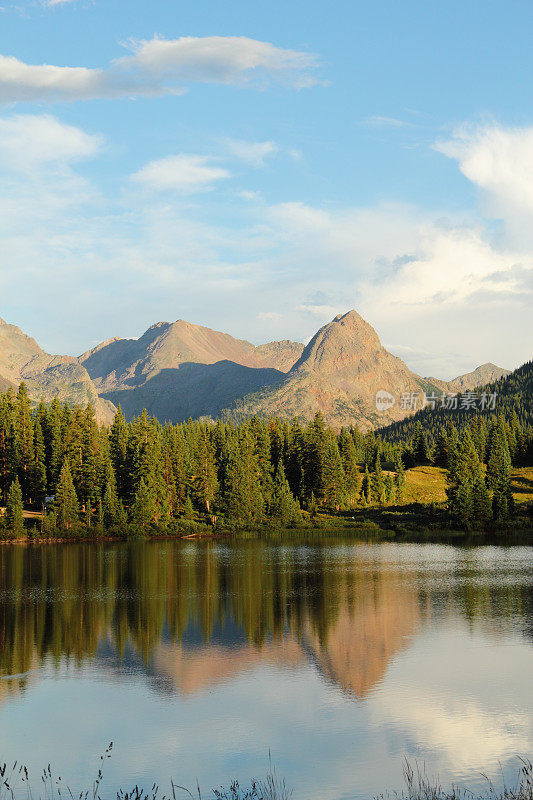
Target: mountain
[46,376]
[178,369]
[511,394]
[339,373]
[486,373]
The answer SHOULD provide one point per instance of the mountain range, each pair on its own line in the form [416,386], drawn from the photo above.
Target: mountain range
[180,370]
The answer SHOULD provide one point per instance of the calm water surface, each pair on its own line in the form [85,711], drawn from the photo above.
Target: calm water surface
[197,658]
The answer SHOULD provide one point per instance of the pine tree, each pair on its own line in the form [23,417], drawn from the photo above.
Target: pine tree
[314,449]
[333,486]
[399,481]
[66,500]
[366,490]
[481,502]
[349,464]
[420,445]
[283,506]
[143,511]
[205,480]
[389,488]
[466,488]
[377,485]
[15,509]
[188,509]
[23,432]
[112,509]
[499,473]
[38,471]
[242,495]
[54,443]
[118,448]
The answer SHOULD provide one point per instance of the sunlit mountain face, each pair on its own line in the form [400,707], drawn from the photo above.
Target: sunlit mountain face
[335,655]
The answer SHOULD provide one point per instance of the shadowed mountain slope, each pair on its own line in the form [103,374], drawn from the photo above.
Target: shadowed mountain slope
[179,370]
[125,363]
[193,390]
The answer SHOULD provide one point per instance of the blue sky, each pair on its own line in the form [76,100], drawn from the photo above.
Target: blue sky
[258,168]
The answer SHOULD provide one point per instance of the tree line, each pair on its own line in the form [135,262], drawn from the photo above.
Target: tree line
[148,475]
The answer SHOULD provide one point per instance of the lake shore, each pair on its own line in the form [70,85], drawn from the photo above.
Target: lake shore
[413,523]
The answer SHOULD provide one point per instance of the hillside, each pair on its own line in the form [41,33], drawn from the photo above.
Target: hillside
[46,376]
[513,394]
[178,370]
[339,373]
[486,373]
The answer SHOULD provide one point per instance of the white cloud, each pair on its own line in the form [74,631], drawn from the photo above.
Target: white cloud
[443,287]
[218,59]
[269,316]
[20,82]
[254,153]
[377,121]
[499,161]
[317,310]
[28,140]
[157,66]
[182,173]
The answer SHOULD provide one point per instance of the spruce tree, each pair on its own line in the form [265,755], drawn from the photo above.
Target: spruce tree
[66,500]
[466,488]
[118,448]
[15,509]
[205,480]
[377,485]
[283,506]
[420,445]
[143,511]
[389,488]
[366,487]
[112,510]
[399,481]
[38,471]
[333,486]
[349,465]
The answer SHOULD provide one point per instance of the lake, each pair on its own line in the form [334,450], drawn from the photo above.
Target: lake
[196,659]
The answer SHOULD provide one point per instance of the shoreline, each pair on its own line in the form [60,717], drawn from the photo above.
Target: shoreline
[325,529]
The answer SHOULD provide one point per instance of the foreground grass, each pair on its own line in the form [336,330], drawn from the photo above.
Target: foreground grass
[15,783]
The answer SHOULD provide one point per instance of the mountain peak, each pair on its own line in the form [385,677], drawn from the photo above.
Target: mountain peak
[351,316]
[341,343]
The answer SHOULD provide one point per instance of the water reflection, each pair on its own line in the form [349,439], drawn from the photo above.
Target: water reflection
[370,652]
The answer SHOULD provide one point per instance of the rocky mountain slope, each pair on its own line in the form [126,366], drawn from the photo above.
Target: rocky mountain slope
[339,373]
[178,369]
[46,376]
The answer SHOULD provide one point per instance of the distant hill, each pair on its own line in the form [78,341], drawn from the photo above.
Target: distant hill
[178,370]
[46,376]
[512,393]
[486,373]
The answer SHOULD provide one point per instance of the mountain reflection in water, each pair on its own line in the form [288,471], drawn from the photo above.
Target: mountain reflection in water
[191,618]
